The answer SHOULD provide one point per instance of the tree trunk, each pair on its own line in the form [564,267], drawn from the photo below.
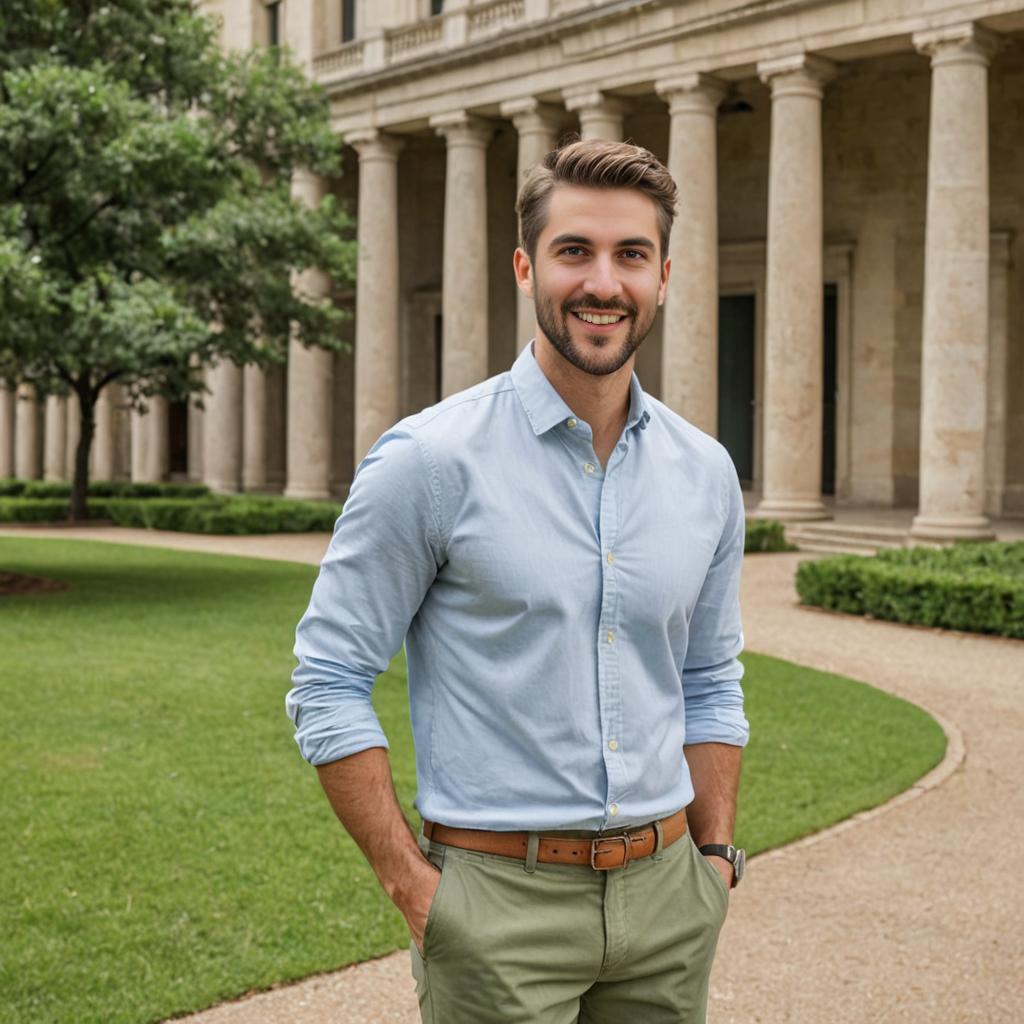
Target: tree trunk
[79,510]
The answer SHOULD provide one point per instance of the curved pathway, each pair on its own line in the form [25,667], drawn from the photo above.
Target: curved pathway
[908,914]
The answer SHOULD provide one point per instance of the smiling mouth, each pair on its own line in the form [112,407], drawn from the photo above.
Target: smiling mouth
[599,319]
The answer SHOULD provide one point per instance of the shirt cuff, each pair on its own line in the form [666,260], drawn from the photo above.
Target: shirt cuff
[329,734]
[719,725]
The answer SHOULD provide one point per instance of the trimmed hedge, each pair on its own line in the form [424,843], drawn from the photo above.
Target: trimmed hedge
[210,514]
[226,515]
[978,588]
[13,488]
[765,535]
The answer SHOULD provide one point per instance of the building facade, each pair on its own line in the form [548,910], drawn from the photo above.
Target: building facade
[844,310]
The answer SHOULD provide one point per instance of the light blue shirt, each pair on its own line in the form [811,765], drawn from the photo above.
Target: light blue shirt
[568,628]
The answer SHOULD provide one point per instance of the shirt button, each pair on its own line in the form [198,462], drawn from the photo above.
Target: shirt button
[571,423]
[613,810]
[611,637]
[613,744]
[589,467]
[611,558]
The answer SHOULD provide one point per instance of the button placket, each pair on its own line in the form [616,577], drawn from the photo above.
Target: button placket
[609,683]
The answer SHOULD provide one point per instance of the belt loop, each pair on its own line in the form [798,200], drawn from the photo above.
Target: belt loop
[532,845]
[659,839]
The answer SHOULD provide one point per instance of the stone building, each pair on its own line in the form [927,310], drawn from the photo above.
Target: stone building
[845,305]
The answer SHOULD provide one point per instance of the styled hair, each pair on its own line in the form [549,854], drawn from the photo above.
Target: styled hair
[594,163]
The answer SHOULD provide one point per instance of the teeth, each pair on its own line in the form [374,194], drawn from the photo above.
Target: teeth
[591,318]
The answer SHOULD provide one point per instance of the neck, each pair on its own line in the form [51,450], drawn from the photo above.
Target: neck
[602,401]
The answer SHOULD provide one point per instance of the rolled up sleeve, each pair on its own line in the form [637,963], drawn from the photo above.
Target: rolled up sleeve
[712,670]
[382,559]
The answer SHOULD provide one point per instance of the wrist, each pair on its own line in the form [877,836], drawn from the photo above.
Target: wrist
[731,855]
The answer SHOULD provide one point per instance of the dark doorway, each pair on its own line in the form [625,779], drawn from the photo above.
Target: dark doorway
[177,431]
[736,329]
[829,392]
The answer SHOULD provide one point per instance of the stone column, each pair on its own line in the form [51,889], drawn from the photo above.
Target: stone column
[537,125]
[27,452]
[74,432]
[954,343]
[8,411]
[689,360]
[998,370]
[794,344]
[464,290]
[310,382]
[600,115]
[55,438]
[254,429]
[102,459]
[222,428]
[377,343]
[150,440]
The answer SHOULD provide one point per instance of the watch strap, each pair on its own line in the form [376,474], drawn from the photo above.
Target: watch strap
[719,850]
[735,856]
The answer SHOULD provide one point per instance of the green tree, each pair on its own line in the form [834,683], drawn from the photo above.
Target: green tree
[146,225]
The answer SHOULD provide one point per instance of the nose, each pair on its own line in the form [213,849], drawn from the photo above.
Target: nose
[602,280]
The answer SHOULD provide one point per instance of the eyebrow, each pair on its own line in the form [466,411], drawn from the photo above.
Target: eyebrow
[626,243]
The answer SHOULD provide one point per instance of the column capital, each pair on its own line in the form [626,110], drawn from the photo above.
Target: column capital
[799,74]
[589,99]
[529,114]
[373,144]
[461,128]
[963,43]
[695,92]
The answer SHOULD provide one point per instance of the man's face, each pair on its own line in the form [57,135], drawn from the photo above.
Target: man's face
[597,259]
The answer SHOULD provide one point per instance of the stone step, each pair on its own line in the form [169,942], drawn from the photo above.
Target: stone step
[847,538]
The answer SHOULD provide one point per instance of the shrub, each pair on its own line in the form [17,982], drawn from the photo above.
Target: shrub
[207,513]
[765,535]
[100,489]
[974,587]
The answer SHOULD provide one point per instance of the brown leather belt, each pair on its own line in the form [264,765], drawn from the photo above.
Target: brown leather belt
[601,854]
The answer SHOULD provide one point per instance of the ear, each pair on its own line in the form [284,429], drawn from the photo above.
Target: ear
[663,287]
[523,269]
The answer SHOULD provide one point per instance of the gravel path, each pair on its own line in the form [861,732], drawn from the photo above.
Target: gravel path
[911,913]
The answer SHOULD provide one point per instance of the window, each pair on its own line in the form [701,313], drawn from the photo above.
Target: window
[436,7]
[274,23]
[348,20]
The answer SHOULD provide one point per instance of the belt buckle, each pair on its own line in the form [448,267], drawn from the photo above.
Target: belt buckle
[624,839]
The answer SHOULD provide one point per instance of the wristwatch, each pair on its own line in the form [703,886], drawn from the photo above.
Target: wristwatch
[737,858]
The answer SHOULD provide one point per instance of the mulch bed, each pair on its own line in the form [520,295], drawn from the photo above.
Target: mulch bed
[17,583]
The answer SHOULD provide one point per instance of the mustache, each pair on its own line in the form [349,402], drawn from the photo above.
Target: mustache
[591,302]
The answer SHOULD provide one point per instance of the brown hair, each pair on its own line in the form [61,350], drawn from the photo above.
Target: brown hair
[594,163]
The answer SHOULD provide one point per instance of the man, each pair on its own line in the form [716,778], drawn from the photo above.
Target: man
[561,554]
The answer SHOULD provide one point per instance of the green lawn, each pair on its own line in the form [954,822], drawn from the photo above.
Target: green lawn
[163,847]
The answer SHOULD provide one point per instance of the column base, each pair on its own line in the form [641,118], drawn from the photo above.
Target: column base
[303,492]
[223,486]
[791,510]
[950,528]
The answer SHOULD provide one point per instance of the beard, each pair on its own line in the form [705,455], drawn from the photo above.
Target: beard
[555,327]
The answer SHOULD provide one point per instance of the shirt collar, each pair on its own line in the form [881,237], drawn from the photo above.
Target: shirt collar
[545,407]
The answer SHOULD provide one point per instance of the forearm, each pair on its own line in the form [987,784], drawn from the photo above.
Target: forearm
[715,773]
[361,791]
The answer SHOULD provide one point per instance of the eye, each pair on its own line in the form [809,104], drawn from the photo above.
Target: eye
[570,250]
[634,254]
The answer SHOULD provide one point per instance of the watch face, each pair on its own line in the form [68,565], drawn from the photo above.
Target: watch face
[739,865]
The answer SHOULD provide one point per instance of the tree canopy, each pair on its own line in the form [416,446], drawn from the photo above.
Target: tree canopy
[146,222]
